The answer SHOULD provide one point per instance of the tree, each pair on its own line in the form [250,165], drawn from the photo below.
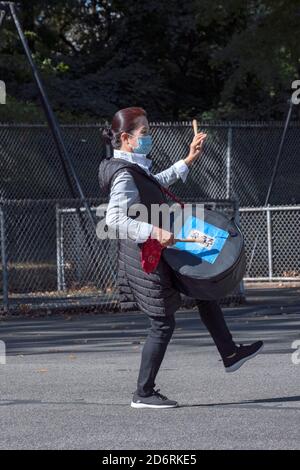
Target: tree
[227,59]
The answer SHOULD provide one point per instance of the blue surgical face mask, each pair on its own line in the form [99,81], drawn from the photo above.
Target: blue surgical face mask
[144,144]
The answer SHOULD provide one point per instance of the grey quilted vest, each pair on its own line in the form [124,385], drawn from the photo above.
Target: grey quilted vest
[152,293]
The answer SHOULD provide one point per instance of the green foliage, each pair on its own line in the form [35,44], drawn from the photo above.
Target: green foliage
[22,111]
[227,59]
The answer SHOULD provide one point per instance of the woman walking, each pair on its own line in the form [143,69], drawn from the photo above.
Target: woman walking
[128,179]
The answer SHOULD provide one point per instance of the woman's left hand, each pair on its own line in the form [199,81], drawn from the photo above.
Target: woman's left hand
[196,148]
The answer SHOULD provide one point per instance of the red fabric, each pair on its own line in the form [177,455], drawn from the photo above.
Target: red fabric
[151,249]
[150,254]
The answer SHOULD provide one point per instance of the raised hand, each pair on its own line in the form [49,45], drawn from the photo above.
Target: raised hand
[196,148]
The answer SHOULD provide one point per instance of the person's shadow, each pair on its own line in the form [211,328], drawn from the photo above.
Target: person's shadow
[259,403]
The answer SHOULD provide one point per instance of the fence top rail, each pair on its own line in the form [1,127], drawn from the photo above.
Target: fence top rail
[238,124]
[24,202]
[272,278]
[269,208]
[67,210]
[95,200]
[267,124]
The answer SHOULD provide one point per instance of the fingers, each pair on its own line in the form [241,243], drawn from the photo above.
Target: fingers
[199,140]
[168,240]
[200,137]
[171,240]
[164,237]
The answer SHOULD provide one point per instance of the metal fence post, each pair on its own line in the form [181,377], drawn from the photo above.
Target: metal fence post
[269,232]
[78,254]
[237,220]
[4,261]
[59,251]
[228,162]
[58,272]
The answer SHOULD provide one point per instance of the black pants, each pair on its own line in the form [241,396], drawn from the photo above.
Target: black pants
[160,333]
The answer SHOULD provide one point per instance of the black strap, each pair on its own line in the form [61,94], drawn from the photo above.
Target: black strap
[132,167]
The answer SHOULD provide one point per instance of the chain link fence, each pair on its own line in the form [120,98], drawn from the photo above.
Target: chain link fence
[48,259]
[237,161]
[271,242]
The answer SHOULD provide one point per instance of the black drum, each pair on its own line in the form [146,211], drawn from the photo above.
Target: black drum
[209,270]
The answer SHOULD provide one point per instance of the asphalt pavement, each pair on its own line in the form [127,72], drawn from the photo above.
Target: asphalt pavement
[68,381]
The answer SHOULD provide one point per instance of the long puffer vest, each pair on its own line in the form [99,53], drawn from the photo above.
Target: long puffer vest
[152,293]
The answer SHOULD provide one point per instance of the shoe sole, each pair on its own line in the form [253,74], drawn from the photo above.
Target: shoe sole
[238,364]
[144,405]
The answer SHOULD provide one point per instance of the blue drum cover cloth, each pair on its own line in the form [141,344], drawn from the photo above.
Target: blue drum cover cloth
[195,227]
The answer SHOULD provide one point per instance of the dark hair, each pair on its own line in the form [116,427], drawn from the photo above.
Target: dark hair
[123,121]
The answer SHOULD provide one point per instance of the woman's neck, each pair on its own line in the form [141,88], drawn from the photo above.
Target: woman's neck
[122,149]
